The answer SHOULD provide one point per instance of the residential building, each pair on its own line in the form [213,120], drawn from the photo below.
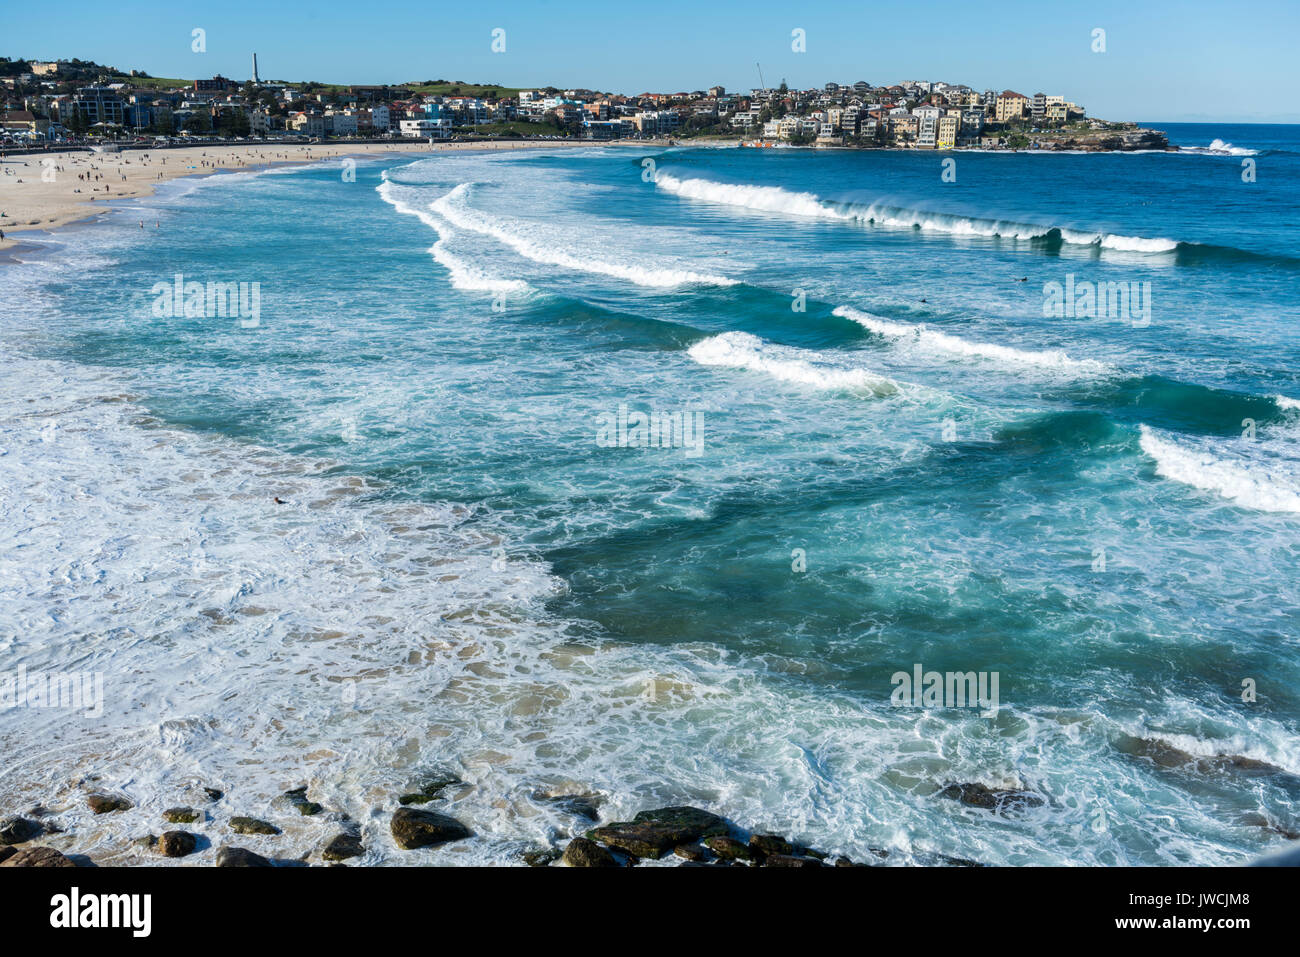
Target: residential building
[97,104]
[426,128]
[927,130]
[218,84]
[946,136]
[1011,106]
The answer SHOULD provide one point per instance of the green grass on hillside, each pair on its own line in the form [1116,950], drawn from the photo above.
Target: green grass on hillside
[482,90]
[151,82]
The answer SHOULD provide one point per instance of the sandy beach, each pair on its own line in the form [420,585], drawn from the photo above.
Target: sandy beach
[40,192]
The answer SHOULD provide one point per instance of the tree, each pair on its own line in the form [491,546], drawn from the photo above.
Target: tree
[77,122]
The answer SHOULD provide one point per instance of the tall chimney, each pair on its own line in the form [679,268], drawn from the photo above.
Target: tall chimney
[255,78]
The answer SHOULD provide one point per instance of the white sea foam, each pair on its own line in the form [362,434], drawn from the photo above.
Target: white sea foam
[1137,244]
[769,199]
[1287,403]
[931,340]
[463,275]
[352,644]
[1263,483]
[740,350]
[1219,147]
[339,640]
[554,249]
[773,199]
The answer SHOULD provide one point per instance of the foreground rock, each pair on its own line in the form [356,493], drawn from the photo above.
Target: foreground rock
[790,860]
[429,789]
[1164,755]
[180,815]
[251,825]
[37,857]
[992,799]
[296,799]
[108,803]
[700,822]
[729,849]
[240,857]
[412,828]
[584,853]
[579,805]
[765,844]
[655,833]
[342,847]
[16,830]
[177,843]
[682,830]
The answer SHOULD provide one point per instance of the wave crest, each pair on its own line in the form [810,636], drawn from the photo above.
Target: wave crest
[463,275]
[1251,485]
[454,207]
[740,350]
[774,199]
[931,340]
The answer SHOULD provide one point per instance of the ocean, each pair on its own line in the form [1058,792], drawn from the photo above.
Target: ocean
[646,473]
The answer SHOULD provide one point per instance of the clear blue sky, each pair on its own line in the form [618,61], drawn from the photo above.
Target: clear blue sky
[1165,60]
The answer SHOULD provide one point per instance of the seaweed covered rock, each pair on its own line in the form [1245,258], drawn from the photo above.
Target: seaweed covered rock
[295,799]
[993,799]
[107,803]
[177,843]
[343,846]
[412,828]
[764,844]
[252,825]
[582,852]
[728,848]
[16,830]
[240,857]
[656,832]
[429,789]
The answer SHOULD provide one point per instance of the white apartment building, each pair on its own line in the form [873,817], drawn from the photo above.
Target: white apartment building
[425,128]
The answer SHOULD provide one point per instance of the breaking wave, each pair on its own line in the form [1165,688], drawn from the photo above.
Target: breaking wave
[1219,147]
[740,350]
[773,199]
[931,340]
[1251,484]
[463,275]
[543,248]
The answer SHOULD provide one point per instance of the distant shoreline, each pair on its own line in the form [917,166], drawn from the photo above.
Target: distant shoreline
[31,205]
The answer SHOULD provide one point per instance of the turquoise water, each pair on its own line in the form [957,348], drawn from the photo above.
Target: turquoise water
[903,461]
